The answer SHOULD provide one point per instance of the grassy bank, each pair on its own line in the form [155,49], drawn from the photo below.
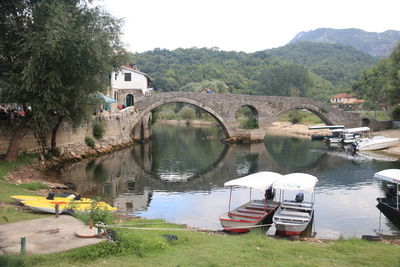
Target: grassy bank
[9,212]
[151,248]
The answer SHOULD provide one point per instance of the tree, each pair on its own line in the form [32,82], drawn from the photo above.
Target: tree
[59,56]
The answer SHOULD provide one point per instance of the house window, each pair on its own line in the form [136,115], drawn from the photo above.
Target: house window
[115,76]
[128,77]
[116,95]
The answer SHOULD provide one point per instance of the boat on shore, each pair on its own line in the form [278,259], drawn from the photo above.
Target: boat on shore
[51,196]
[67,207]
[294,216]
[389,205]
[255,212]
[375,143]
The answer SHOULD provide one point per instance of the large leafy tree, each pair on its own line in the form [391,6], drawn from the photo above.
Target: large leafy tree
[59,56]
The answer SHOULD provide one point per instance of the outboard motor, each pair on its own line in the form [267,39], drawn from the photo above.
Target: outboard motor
[50,196]
[299,197]
[390,192]
[78,197]
[269,193]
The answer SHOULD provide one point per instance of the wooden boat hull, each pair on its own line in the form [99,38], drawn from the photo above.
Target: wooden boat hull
[248,216]
[389,209]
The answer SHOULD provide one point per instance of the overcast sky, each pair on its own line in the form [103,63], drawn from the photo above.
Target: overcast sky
[242,25]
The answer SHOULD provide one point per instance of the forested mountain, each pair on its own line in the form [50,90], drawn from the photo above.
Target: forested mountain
[303,69]
[373,43]
[337,63]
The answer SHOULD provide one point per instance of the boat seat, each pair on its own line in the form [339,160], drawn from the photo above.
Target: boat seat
[292,203]
[292,219]
[294,213]
[243,215]
[296,208]
[250,211]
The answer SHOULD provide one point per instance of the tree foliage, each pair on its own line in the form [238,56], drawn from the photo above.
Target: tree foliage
[381,83]
[301,69]
[58,56]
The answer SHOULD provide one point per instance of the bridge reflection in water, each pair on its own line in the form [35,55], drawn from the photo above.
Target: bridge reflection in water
[183,171]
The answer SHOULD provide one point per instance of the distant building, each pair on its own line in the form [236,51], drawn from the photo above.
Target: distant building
[346,101]
[129,83]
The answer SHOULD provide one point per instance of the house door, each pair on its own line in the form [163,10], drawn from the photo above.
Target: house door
[129,100]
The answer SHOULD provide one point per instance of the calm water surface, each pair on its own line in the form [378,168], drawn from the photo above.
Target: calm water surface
[179,177]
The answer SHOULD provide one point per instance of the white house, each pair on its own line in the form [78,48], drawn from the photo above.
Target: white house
[127,84]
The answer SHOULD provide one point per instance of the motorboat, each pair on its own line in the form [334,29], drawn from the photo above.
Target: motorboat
[375,143]
[255,212]
[347,136]
[68,207]
[315,137]
[51,196]
[293,216]
[389,205]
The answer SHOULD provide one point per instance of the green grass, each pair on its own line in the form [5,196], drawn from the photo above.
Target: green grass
[150,248]
[307,118]
[10,211]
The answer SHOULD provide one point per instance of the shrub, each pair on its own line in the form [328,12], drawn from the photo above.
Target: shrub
[187,113]
[98,129]
[295,117]
[396,113]
[95,212]
[89,141]
[250,124]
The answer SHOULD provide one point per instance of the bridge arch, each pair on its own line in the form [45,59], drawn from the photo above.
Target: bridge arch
[228,131]
[317,111]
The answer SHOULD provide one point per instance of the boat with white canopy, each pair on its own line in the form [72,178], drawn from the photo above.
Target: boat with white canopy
[254,212]
[347,136]
[321,135]
[293,216]
[389,205]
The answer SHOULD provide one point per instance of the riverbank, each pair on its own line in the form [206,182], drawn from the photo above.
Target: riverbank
[301,131]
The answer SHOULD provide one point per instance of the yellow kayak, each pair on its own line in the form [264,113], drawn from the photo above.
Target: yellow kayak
[51,196]
[49,206]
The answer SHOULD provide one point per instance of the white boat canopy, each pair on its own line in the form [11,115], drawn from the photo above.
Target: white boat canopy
[296,181]
[320,127]
[352,130]
[259,180]
[390,175]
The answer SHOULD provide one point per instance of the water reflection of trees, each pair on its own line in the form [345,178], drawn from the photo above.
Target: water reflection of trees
[129,177]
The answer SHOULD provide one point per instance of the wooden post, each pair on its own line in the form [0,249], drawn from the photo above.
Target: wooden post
[98,232]
[23,245]
[57,207]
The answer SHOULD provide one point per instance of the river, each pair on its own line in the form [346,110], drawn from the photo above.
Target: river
[179,177]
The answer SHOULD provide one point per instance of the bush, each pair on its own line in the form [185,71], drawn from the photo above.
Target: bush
[396,113]
[89,141]
[98,129]
[187,113]
[295,117]
[250,124]
[96,212]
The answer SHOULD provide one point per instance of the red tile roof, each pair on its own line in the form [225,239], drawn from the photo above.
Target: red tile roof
[342,96]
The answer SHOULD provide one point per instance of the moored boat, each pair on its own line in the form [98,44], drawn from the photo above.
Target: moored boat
[292,217]
[390,205]
[69,207]
[255,212]
[375,143]
[315,137]
[50,196]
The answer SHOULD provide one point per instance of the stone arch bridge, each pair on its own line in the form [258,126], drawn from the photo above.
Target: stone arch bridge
[223,107]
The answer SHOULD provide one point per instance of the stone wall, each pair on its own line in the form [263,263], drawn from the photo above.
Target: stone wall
[119,131]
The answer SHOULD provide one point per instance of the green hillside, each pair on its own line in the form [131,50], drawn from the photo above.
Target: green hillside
[303,69]
[337,63]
